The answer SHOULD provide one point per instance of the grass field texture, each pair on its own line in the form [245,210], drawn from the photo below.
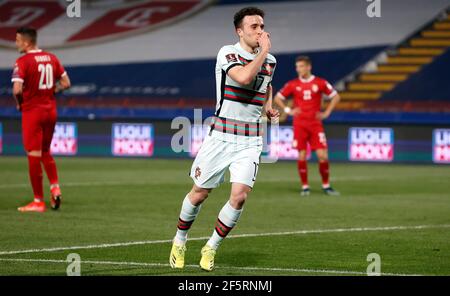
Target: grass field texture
[119,215]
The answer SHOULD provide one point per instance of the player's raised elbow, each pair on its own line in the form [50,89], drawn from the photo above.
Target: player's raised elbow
[240,75]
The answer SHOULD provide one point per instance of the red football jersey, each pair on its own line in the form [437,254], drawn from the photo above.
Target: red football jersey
[38,71]
[307,94]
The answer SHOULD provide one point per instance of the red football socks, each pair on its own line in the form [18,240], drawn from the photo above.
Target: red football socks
[324,169]
[35,172]
[50,167]
[303,172]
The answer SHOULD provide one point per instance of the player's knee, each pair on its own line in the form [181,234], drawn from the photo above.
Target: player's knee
[35,153]
[198,195]
[238,199]
[322,156]
[302,155]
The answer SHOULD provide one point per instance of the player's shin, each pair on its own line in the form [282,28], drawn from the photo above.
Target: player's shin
[302,168]
[50,167]
[324,169]
[187,216]
[228,218]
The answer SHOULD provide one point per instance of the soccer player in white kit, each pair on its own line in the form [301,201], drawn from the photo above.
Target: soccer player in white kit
[244,73]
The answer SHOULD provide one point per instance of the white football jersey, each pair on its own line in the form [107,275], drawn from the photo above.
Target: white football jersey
[239,107]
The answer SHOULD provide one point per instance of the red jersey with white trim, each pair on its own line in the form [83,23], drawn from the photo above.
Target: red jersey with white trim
[38,71]
[307,94]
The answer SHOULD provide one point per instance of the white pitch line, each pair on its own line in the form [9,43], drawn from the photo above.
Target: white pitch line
[145,264]
[148,242]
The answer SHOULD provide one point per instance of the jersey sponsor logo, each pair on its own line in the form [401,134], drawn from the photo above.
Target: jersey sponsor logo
[114,22]
[65,139]
[231,58]
[132,139]
[441,145]
[371,144]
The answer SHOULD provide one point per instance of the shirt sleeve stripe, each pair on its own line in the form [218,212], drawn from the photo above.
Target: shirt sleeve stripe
[333,94]
[231,66]
[17,80]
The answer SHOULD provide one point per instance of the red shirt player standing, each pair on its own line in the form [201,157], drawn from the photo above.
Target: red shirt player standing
[36,77]
[307,91]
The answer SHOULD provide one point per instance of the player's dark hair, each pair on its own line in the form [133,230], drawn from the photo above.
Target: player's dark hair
[29,33]
[303,58]
[239,16]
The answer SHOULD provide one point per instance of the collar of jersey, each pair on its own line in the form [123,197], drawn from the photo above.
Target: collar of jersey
[311,78]
[34,51]
[244,52]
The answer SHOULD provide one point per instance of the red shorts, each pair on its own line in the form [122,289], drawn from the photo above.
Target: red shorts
[313,134]
[37,128]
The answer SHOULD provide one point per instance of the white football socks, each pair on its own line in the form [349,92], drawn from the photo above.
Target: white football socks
[187,216]
[228,218]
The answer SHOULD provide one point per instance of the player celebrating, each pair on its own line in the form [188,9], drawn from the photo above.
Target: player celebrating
[244,72]
[35,78]
[307,91]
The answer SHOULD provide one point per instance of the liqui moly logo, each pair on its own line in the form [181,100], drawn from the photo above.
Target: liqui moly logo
[282,146]
[132,139]
[441,145]
[371,144]
[65,139]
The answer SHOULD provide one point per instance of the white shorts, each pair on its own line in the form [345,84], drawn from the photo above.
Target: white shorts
[215,156]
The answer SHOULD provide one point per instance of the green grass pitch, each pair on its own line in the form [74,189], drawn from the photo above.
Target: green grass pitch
[401,212]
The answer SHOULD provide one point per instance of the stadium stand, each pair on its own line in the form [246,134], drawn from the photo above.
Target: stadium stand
[377,66]
[408,77]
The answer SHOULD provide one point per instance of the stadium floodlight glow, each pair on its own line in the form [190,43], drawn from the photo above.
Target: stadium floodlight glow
[132,139]
[371,144]
[65,139]
[441,145]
